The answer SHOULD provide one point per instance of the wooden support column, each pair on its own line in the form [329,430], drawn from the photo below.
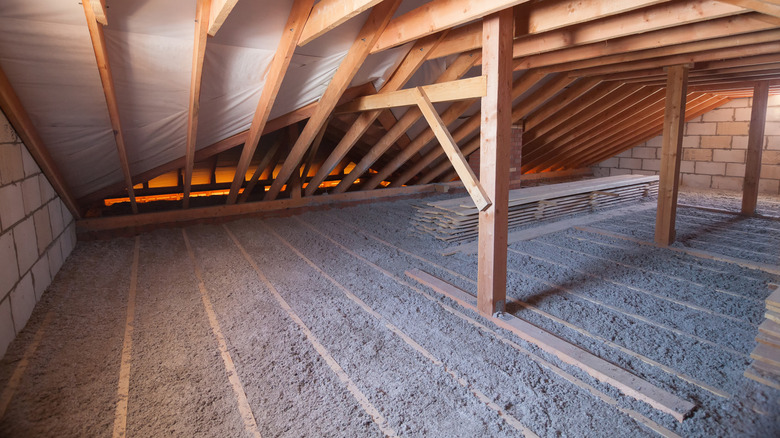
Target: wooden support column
[496,127]
[671,151]
[755,144]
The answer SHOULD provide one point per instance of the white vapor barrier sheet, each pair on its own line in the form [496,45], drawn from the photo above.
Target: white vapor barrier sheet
[46,52]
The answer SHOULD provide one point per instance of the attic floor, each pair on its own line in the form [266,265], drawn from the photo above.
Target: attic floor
[328,337]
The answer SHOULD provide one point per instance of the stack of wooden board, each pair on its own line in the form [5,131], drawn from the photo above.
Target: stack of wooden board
[454,220]
[766,356]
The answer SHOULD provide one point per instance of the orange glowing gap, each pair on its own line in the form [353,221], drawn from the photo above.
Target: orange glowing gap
[168,197]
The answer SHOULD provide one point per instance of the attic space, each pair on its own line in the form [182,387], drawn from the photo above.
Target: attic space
[426,218]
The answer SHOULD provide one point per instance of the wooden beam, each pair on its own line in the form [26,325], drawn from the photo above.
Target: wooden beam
[218,12]
[23,125]
[754,148]
[763,7]
[328,14]
[133,222]
[596,367]
[495,132]
[99,9]
[375,24]
[671,153]
[198,54]
[411,63]
[554,25]
[273,81]
[266,164]
[457,69]
[473,187]
[436,16]
[463,89]
[107,79]
[744,29]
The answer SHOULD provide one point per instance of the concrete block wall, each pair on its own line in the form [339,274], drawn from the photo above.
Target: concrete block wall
[714,149]
[37,233]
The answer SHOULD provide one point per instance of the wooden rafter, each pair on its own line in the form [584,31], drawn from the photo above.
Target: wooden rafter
[328,14]
[457,69]
[411,63]
[763,7]
[436,16]
[375,24]
[279,64]
[218,12]
[202,11]
[23,125]
[107,80]
[442,92]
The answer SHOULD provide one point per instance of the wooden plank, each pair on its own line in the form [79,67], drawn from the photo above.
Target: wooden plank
[774,298]
[671,154]
[436,16]
[759,374]
[99,9]
[198,54]
[107,80]
[766,354]
[754,148]
[772,269]
[218,13]
[553,25]
[234,210]
[758,6]
[273,82]
[495,133]
[543,230]
[329,14]
[701,36]
[770,328]
[460,164]
[769,341]
[463,89]
[598,368]
[411,63]
[368,35]
[267,163]
[772,316]
[23,125]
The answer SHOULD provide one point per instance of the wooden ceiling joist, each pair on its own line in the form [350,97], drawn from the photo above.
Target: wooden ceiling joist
[24,127]
[763,7]
[273,82]
[107,80]
[442,92]
[377,21]
[202,11]
[410,64]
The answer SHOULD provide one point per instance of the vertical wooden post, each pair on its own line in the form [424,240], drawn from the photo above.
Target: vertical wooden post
[496,130]
[671,151]
[755,145]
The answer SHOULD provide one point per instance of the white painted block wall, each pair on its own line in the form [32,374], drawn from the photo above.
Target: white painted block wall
[37,234]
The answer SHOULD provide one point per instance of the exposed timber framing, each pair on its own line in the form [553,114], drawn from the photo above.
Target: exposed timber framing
[24,127]
[471,88]
[754,148]
[470,181]
[671,153]
[495,132]
[368,35]
[273,81]
[411,63]
[436,16]
[218,13]
[202,11]
[764,7]
[328,14]
[107,80]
